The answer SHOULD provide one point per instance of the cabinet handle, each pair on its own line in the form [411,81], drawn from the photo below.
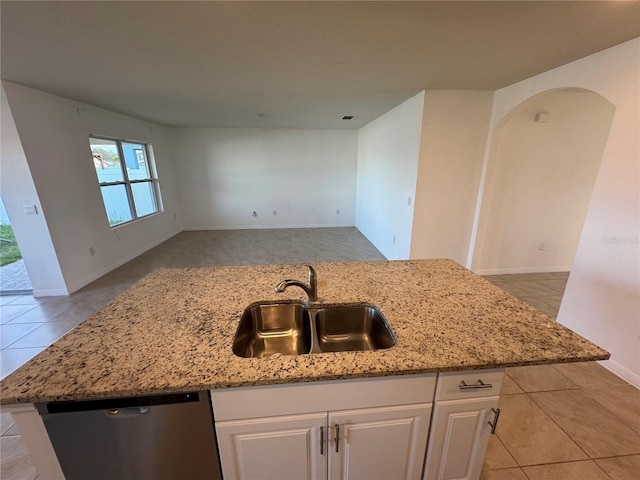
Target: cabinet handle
[321,440]
[479,384]
[494,424]
[337,437]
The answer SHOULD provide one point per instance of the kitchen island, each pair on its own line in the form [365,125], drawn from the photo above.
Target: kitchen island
[173,332]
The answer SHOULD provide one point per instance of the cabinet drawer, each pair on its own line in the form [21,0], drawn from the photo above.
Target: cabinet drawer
[300,398]
[467,384]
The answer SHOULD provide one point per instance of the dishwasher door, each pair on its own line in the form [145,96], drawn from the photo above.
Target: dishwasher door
[153,437]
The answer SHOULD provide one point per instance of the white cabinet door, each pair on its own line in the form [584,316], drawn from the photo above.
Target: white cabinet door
[459,437]
[287,447]
[378,443]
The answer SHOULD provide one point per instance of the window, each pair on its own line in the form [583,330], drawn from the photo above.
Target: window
[128,188]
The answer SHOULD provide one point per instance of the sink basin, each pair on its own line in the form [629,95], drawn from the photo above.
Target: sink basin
[292,328]
[266,329]
[348,328]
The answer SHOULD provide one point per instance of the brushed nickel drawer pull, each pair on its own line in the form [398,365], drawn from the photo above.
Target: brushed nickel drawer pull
[321,440]
[337,437]
[479,384]
[494,424]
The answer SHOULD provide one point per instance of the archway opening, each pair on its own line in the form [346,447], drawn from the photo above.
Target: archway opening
[543,164]
[544,161]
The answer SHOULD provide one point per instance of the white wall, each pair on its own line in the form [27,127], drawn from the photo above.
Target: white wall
[602,299]
[540,180]
[454,133]
[54,135]
[32,233]
[225,174]
[388,156]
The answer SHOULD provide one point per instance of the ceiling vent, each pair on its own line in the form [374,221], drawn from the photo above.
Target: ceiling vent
[348,117]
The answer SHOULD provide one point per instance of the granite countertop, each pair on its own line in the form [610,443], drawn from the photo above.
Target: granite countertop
[173,331]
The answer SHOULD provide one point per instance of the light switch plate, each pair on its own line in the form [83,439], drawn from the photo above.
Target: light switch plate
[30,209]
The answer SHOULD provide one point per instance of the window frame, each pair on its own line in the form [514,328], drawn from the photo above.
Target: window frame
[128,182]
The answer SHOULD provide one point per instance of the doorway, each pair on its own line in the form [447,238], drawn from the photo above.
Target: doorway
[14,279]
[544,160]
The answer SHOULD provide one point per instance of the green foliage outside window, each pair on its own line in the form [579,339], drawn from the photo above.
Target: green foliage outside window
[9,251]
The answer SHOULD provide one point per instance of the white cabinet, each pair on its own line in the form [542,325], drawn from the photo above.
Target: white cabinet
[326,437]
[286,447]
[384,443]
[464,415]
[359,429]
[459,438]
[379,443]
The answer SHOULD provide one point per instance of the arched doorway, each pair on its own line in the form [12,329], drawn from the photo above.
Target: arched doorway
[544,160]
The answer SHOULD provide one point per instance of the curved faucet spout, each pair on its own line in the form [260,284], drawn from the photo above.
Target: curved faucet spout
[311,289]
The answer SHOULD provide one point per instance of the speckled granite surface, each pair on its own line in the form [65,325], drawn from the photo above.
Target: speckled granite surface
[173,331]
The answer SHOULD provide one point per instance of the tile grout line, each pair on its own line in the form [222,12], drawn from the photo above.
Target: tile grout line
[560,426]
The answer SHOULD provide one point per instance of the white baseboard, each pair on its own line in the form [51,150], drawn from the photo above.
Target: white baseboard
[513,270]
[622,372]
[264,227]
[53,292]
[96,275]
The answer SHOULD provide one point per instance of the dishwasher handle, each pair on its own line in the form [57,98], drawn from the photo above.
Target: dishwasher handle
[126,412]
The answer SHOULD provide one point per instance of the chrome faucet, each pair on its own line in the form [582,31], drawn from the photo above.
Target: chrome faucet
[311,289]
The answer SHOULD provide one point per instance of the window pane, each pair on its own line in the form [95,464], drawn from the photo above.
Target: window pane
[135,158]
[116,204]
[144,198]
[106,160]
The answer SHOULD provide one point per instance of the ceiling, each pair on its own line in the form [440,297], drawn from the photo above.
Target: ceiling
[292,64]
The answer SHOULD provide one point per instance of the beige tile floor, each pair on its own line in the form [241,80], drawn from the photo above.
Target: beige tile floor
[545,397]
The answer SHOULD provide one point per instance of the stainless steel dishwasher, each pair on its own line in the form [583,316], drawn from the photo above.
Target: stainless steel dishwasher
[152,437]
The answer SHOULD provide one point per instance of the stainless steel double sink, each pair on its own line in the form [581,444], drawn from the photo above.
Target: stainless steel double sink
[293,328]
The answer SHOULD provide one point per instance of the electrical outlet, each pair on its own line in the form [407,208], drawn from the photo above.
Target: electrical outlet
[394,239]
[337,211]
[543,247]
[409,201]
[174,216]
[92,251]
[275,212]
